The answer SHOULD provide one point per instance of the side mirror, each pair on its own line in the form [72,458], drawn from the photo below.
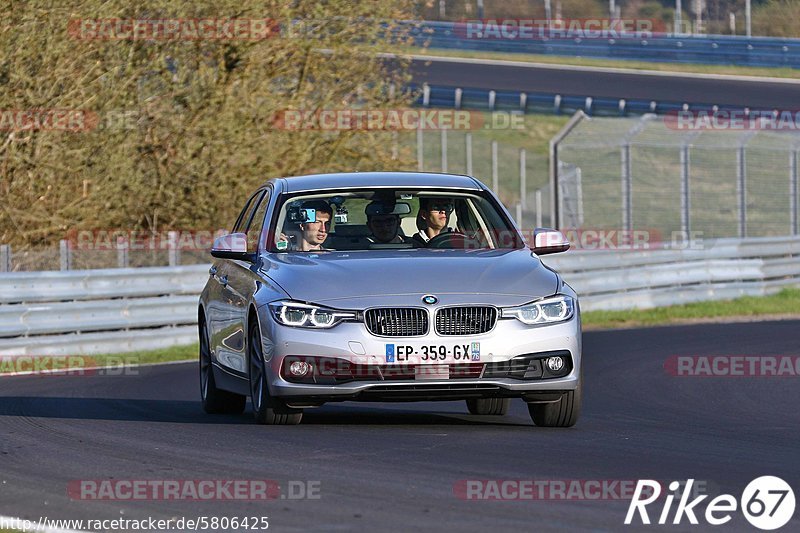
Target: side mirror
[231,246]
[549,241]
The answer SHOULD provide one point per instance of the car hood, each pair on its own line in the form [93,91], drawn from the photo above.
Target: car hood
[401,277]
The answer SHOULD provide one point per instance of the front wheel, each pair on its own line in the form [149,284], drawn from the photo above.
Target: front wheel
[559,414]
[215,400]
[267,410]
[488,406]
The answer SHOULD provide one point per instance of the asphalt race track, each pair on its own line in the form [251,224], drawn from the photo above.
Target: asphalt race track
[606,83]
[394,466]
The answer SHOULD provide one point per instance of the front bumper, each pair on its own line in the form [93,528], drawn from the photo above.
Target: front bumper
[352,342]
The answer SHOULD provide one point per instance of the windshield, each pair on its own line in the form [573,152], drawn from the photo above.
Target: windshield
[388,219]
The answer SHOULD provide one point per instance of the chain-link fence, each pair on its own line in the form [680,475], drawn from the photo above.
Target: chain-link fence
[649,173]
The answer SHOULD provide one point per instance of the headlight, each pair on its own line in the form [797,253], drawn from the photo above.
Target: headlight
[548,311]
[302,315]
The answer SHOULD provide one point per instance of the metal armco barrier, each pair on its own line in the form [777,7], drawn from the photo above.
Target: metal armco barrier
[710,49]
[118,310]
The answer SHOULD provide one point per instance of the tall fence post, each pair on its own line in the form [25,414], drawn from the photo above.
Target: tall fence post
[174,250]
[65,253]
[523,179]
[468,141]
[538,199]
[685,196]
[627,203]
[793,190]
[444,150]
[519,215]
[495,175]
[553,166]
[420,164]
[5,258]
[741,189]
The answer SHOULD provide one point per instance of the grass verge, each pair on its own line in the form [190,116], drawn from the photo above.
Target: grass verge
[782,304]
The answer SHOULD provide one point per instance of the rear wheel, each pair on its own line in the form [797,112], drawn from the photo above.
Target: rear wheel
[215,401]
[267,410]
[560,414]
[488,406]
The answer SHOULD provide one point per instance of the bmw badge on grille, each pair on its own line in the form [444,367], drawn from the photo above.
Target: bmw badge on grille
[430,299]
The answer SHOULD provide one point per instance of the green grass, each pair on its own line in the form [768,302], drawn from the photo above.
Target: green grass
[786,302]
[76,362]
[618,63]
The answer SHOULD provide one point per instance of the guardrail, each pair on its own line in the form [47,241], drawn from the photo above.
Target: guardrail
[536,102]
[710,49]
[117,310]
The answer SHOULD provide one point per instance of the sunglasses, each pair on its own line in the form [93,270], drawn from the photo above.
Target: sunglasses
[447,208]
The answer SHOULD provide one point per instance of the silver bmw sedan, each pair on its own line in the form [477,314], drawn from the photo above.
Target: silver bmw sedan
[386,286]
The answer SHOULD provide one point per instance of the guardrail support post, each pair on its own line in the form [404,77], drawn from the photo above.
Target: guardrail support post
[685,196]
[495,175]
[174,250]
[66,254]
[627,204]
[793,191]
[122,253]
[444,150]
[492,100]
[523,179]
[458,98]
[557,104]
[523,102]
[426,95]
[5,258]
[741,189]
[468,142]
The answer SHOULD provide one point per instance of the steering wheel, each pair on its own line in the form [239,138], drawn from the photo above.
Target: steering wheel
[451,239]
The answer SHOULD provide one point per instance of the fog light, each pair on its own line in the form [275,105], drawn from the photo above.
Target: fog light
[554,364]
[299,368]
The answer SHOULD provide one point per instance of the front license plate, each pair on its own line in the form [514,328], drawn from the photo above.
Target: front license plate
[433,353]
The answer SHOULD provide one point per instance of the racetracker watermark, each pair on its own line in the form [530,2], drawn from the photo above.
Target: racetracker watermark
[193,489]
[622,239]
[178,29]
[733,366]
[733,120]
[586,28]
[544,489]
[69,365]
[75,120]
[395,120]
[136,240]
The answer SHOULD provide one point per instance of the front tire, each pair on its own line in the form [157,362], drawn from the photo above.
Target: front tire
[488,406]
[561,414]
[215,401]
[266,409]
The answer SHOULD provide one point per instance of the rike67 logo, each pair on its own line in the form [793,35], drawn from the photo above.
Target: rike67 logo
[767,503]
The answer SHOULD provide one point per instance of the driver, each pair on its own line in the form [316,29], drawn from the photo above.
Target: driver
[384,223]
[313,234]
[434,214]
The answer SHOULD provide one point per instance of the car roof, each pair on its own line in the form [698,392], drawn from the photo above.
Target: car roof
[367,180]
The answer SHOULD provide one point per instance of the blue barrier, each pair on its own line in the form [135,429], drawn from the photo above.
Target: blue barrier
[711,49]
